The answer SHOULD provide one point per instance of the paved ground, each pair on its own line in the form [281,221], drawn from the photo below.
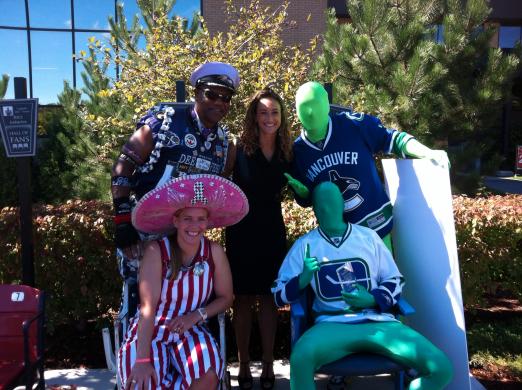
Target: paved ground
[510,186]
[104,380]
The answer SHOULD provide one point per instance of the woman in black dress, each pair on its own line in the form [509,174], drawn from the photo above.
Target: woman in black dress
[256,246]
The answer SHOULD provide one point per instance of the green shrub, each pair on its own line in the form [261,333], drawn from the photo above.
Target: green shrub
[75,261]
[9,179]
[298,221]
[489,237]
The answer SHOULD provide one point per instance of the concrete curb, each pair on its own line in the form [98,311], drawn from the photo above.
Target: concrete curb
[102,379]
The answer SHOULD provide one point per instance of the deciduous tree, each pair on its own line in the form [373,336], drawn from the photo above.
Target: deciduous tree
[253,46]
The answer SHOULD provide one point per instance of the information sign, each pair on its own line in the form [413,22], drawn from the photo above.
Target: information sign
[18,123]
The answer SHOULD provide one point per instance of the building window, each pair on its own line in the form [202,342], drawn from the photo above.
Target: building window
[438,35]
[51,65]
[508,36]
[40,47]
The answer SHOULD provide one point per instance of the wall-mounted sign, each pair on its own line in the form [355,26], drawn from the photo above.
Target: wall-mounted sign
[18,122]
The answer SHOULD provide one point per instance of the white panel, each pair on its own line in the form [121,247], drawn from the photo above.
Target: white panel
[425,249]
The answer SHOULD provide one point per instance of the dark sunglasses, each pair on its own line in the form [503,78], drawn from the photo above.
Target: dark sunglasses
[211,95]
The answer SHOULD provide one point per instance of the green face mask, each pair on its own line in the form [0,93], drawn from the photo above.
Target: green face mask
[313,108]
[328,205]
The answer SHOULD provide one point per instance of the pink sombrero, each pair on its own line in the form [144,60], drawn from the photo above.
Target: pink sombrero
[224,200]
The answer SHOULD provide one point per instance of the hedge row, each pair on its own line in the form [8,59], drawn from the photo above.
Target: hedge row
[489,237]
[75,258]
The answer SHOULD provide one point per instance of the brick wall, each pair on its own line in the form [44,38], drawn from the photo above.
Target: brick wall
[298,11]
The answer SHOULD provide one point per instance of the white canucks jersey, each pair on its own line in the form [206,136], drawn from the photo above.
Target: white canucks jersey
[345,157]
[371,262]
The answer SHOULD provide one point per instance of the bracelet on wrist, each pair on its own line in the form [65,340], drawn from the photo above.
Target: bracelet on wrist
[142,361]
[203,313]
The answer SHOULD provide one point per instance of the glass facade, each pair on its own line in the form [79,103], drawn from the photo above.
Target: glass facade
[508,36]
[39,37]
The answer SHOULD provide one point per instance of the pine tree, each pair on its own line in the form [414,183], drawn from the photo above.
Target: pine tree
[86,178]
[3,85]
[422,66]
[88,154]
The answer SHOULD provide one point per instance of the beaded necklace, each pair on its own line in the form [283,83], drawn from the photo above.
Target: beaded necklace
[162,140]
[201,130]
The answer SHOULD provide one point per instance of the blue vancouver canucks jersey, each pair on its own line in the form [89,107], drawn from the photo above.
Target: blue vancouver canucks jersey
[345,157]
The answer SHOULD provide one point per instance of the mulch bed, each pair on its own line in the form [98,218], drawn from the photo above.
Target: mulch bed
[69,347]
[501,307]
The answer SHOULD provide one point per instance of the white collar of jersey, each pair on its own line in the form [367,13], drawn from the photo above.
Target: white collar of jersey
[344,237]
[327,138]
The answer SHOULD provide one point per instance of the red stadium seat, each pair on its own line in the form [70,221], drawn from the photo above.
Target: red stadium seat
[21,338]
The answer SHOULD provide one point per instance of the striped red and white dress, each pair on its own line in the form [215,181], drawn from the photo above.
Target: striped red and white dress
[178,359]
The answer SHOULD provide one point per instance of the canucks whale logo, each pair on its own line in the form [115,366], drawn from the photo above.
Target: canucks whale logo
[345,184]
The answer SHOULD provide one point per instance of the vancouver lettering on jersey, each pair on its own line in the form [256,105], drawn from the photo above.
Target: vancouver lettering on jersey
[330,160]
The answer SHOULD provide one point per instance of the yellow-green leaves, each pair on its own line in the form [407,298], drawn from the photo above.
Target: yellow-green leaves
[253,46]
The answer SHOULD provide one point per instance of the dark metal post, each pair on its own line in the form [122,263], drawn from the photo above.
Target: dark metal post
[29,55]
[73,44]
[180,91]
[24,198]
[329,89]
[505,142]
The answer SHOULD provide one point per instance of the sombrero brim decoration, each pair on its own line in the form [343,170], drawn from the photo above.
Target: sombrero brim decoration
[224,200]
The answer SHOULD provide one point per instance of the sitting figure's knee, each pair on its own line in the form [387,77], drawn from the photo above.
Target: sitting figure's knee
[209,380]
[443,369]
[302,354]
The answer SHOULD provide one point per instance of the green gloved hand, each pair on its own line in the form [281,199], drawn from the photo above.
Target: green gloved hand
[440,157]
[310,267]
[299,187]
[416,149]
[361,299]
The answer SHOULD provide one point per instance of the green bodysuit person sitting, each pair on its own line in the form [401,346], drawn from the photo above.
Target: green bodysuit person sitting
[349,322]
[340,148]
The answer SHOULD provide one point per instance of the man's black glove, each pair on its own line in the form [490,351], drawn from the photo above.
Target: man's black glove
[126,235]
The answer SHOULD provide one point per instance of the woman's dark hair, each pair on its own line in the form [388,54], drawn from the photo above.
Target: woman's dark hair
[250,135]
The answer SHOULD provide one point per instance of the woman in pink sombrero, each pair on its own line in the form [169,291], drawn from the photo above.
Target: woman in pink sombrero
[184,279]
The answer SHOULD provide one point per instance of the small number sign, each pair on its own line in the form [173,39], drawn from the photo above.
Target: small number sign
[17,296]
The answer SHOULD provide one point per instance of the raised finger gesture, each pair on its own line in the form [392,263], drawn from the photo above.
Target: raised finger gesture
[310,267]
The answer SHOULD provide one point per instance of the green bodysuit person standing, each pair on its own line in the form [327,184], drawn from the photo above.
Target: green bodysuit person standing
[340,148]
